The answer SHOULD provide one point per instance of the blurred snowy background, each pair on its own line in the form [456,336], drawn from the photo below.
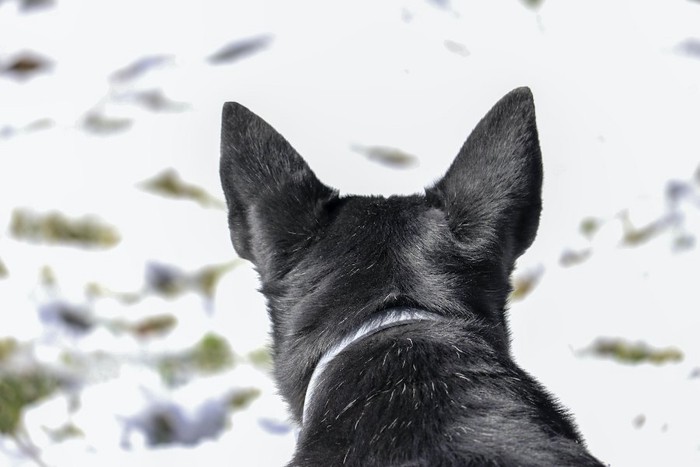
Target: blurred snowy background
[130,334]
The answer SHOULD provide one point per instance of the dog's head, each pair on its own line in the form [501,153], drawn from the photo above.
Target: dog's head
[328,262]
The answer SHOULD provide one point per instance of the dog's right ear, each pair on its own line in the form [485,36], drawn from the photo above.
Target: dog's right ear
[491,193]
[274,199]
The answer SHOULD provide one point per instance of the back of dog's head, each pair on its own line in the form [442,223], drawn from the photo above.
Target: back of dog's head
[328,262]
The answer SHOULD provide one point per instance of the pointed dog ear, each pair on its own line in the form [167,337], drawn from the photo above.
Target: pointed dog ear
[492,191]
[274,199]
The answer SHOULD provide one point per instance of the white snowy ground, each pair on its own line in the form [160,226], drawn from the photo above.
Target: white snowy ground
[616,85]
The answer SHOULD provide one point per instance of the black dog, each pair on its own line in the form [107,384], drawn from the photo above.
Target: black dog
[389,334]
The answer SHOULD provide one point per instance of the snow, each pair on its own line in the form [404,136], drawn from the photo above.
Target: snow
[617,98]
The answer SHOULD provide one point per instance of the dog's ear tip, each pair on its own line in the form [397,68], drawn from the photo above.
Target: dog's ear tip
[234,111]
[520,97]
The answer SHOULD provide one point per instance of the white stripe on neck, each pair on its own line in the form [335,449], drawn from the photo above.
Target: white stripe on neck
[386,319]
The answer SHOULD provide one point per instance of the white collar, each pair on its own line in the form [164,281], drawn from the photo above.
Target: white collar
[386,319]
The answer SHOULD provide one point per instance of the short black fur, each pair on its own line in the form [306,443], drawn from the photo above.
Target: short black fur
[442,392]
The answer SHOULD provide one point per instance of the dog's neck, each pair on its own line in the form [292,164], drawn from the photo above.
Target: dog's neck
[388,318]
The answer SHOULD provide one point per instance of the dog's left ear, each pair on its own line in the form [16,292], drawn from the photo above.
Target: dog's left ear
[275,201]
[492,191]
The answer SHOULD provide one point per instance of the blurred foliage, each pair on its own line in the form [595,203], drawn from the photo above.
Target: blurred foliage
[19,390]
[169,184]
[589,226]
[456,48]
[154,326]
[162,429]
[634,236]
[100,124]
[3,270]
[524,283]
[139,67]
[28,5]
[25,65]
[637,352]
[8,346]
[156,101]
[170,281]
[210,355]
[261,358]
[242,399]
[534,4]
[572,258]
[65,432]
[55,228]
[240,49]
[388,156]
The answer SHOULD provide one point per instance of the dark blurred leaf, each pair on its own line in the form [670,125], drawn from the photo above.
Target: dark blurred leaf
[29,5]
[690,47]
[240,49]
[72,317]
[636,352]
[639,421]
[3,270]
[154,325]
[391,157]
[573,258]
[534,4]
[20,390]
[161,428]
[25,66]
[168,183]
[55,228]
[139,67]
[456,48]
[156,101]
[165,279]
[100,124]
